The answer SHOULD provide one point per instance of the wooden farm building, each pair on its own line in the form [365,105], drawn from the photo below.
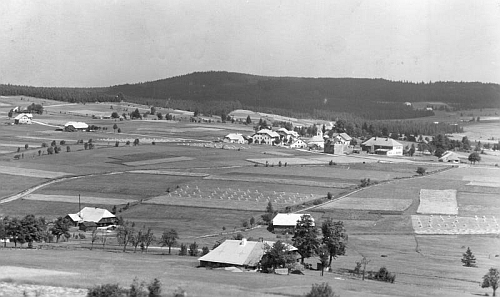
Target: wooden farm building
[239,253]
[99,216]
[383,146]
[287,221]
[23,118]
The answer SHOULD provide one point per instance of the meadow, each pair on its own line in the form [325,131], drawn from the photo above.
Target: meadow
[207,191]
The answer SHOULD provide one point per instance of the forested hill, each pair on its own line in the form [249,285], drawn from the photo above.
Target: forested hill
[370,98]
[221,92]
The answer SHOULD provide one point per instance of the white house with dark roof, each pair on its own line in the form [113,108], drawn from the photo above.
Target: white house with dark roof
[241,253]
[23,118]
[75,126]
[383,146]
[265,136]
[287,136]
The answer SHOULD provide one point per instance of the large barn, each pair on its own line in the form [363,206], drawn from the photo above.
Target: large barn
[239,253]
[101,217]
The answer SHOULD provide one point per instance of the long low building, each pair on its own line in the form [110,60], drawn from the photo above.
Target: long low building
[99,216]
[288,221]
[240,253]
[383,146]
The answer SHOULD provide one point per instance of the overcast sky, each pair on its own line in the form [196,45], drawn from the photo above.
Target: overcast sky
[102,43]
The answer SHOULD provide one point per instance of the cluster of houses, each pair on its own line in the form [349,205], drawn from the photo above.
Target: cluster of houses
[332,143]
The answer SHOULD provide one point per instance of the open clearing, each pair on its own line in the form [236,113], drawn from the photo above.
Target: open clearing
[438,202]
[375,204]
[73,199]
[30,172]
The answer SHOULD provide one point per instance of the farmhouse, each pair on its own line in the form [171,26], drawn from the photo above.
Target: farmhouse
[299,143]
[450,157]
[234,138]
[316,142]
[99,216]
[338,143]
[75,126]
[241,253]
[383,146]
[24,118]
[266,136]
[287,136]
[287,221]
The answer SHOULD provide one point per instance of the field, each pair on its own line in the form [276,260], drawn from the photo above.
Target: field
[208,190]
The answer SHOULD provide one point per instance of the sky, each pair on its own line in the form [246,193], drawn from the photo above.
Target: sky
[102,42]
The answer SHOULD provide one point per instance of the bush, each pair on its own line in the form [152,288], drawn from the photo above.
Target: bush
[62,142]
[193,249]
[329,196]
[154,288]
[108,290]
[365,182]
[81,235]
[421,170]
[384,275]
[204,250]
[321,290]
[183,250]
[44,144]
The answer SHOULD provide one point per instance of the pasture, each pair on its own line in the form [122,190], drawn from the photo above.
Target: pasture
[206,190]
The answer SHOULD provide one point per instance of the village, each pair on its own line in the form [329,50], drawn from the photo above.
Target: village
[238,196]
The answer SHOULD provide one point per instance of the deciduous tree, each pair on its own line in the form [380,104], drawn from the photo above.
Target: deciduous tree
[491,280]
[474,157]
[305,237]
[169,238]
[61,227]
[334,237]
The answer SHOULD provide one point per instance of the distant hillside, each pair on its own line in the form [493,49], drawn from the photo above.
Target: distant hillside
[326,98]
[369,98]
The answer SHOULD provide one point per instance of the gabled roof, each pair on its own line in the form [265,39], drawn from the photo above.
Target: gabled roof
[268,132]
[22,115]
[449,155]
[234,136]
[381,141]
[91,214]
[239,252]
[344,136]
[288,219]
[77,125]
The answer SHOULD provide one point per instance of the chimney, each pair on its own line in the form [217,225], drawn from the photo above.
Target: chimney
[243,241]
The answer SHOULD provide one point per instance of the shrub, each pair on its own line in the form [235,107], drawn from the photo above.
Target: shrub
[321,290]
[44,144]
[128,142]
[81,235]
[154,288]
[421,170]
[62,142]
[365,182]
[329,196]
[384,275]
[193,249]
[108,290]
[204,250]
[183,250]
[68,149]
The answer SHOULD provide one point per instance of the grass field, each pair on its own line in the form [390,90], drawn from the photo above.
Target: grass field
[381,220]
[438,202]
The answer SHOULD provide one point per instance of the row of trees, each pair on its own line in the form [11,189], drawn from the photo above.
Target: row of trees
[30,229]
[128,233]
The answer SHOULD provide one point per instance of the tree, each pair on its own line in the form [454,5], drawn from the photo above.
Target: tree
[421,170]
[107,290]
[136,239]
[115,126]
[119,130]
[270,212]
[169,238]
[491,279]
[411,152]
[252,221]
[321,290]
[154,288]
[115,115]
[136,114]
[3,230]
[305,237]
[159,115]
[11,112]
[193,249]
[147,238]
[61,227]
[323,254]
[474,157]
[136,141]
[468,258]
[276,256]
[32,229]
[93,238]
[248,120]
[334,237]
[125,233]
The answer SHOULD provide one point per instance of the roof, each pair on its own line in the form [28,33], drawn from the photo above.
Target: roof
[268,132]
[77,125]
[91,214]
[239,252]
[234,136]
[381,141]
[316,138]
[449,155]
[20,116]
[344,136]
[288,219]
